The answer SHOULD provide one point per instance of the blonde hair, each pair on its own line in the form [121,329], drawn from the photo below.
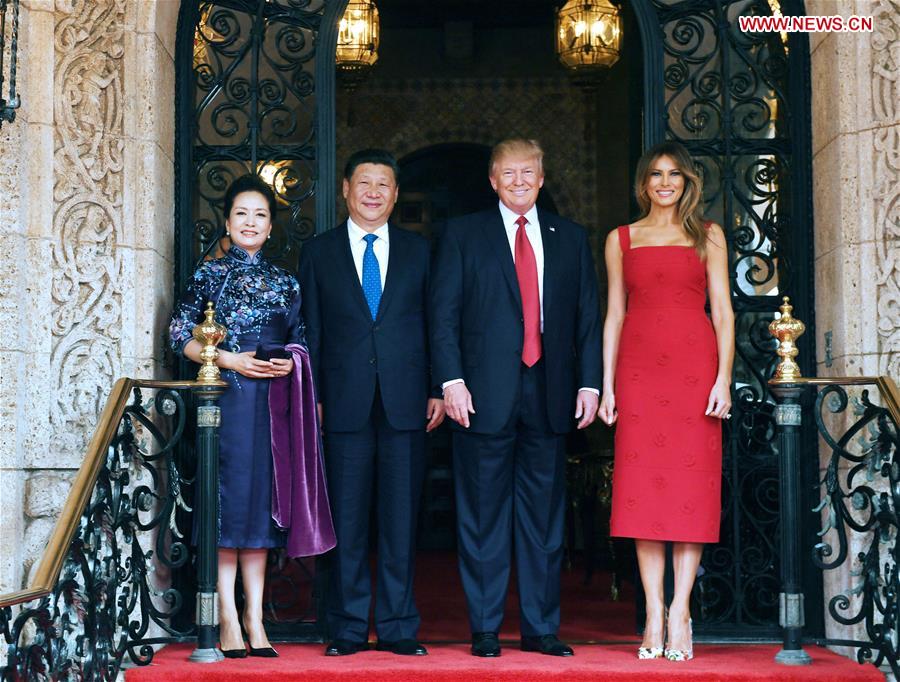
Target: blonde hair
[689,210]
[517,146]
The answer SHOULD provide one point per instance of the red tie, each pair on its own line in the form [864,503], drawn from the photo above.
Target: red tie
[526,273]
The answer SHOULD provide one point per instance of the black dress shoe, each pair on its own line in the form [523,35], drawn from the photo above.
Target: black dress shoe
[485,644]
[234,653]
[344,647]
[264,652]
[547,644]
[402,647]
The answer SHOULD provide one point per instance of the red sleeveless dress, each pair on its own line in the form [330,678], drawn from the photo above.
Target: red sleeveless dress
[668,453]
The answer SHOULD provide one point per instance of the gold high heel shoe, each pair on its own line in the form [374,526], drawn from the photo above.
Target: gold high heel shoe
[682,654]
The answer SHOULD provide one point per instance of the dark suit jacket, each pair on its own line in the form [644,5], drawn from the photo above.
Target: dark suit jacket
[347,348]
[477,326]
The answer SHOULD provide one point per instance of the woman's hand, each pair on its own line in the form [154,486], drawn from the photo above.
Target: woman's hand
[719,405]
[246,364]
[607,410]
[283,366]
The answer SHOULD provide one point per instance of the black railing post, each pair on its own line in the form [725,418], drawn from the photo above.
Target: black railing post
[207,613]
[791,607]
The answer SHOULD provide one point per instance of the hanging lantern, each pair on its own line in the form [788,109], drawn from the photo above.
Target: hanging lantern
[9,100]
[357,42]
[588,38]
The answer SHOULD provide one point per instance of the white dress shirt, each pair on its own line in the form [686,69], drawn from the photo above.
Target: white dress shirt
[381,247]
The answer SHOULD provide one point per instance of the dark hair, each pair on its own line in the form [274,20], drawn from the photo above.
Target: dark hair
[378,156]
[249,183]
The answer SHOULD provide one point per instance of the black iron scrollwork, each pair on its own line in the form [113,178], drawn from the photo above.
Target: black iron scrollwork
[253,64]
[859,509]
[111,603]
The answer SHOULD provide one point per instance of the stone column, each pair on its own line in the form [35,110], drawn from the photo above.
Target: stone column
[87,187]
[856,189]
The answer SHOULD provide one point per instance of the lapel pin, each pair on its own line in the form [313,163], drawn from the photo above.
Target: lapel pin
[552,229]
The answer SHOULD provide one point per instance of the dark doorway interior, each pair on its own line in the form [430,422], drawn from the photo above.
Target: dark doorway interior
[444,181]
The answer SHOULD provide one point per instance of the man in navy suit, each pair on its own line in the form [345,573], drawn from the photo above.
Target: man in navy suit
[364,287]
[516,346]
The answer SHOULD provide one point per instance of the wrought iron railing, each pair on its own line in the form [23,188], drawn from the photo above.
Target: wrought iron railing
[101,597]
[858,421]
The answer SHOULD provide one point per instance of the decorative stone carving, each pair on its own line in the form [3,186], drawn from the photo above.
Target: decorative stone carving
[885,42]
[87,223]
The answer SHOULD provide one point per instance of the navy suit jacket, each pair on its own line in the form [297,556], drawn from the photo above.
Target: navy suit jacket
[477,327]
[348,349]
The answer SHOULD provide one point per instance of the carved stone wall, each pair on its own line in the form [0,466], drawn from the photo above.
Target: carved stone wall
[856,190]
[88,188]
[885,84]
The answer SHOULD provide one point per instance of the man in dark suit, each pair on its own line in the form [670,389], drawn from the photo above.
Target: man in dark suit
[516,346]
[364,288]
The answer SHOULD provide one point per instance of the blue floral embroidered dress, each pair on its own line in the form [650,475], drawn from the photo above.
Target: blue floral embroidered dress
[258,303]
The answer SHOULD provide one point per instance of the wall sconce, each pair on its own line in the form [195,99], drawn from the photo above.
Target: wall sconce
[11,102]
[357,42]
[588,38]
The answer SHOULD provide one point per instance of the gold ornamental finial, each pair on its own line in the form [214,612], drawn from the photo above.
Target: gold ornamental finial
[210,334]
[787,329]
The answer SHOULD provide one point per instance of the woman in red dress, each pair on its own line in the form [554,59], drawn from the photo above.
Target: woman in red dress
[667,378]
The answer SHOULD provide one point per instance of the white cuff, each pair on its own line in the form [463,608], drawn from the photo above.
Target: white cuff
[588,388]
[451,382]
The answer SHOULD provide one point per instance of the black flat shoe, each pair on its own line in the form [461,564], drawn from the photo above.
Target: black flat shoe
[264,652]
[547,644]
[402,647]
[234,653]
[344,647]
[485,644]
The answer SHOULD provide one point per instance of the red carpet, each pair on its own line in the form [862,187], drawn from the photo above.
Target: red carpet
[588,615]
[446,663]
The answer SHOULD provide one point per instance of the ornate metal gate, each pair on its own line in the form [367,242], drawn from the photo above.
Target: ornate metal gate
[255,92]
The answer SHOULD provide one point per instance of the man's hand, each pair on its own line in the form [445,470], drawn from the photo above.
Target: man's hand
[434,413]
[586,408]
[458,402]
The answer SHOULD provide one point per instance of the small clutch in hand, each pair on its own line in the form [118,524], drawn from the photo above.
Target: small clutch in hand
[267,351]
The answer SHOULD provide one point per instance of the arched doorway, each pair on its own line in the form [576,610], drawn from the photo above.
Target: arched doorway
[257,92]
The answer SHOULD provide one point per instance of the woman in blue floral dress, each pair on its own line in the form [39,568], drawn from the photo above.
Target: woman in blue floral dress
[259,304]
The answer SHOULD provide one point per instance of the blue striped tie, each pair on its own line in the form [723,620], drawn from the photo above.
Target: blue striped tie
[371,276]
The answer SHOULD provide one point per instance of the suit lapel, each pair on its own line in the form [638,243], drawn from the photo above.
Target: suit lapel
[345,262]
[396,256]
[495,236]
[549,240]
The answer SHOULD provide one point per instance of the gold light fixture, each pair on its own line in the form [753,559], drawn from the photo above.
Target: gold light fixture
[588,38]
[357,42]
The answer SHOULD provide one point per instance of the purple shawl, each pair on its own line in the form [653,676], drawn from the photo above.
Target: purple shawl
[299,491]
